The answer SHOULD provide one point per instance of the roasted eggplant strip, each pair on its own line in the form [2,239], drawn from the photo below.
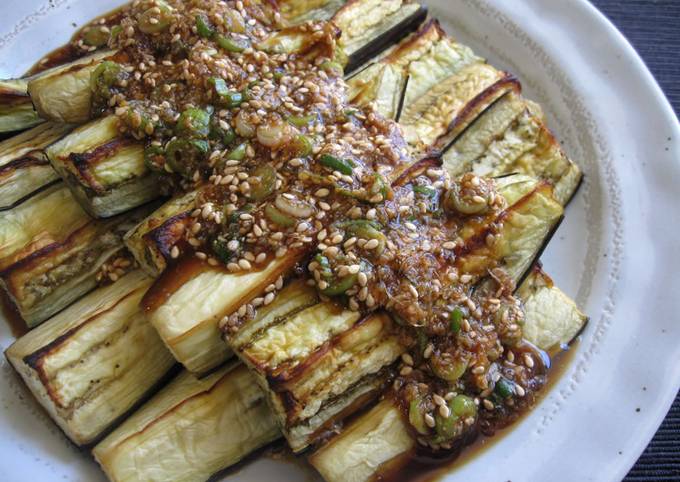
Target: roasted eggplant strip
[63,94]
[24,167]
[16,109]
[53,251]
[381,439]
[296,12]
[94,362]
[369,26]
[448,85]
[510,136]
[309,356]
[47,217]
[188,301]
[106,172]
[151,240]
[190,430]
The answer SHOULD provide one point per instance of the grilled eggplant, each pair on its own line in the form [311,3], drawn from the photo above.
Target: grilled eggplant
[16,110]
[318,362]
[369,26]
[152,239]
[381,437]
[191,430]
[188,301]
[511,137]
[63,94]
[295,12]
[431,85]
[53,251]
[24,167]
[94,362]
[106,172]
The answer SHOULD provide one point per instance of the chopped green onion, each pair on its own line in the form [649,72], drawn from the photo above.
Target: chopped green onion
[156,20]
[463,406]
[105,77]
[456,319]
[448,367]
[231,44]
[116,30]
[183,155]
[203,26]
[416,417]
[232,99]
[264,187]
[220,247]
[96,36]
[425,191]
[301,121]
[219,85]
[331,67]
[193,122]
[338,287]
[152,155]
[302,145]
[277,217]
[238,153]
[342,165]
[504,388]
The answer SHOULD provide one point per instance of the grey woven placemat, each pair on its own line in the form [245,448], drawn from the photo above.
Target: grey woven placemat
[653,27]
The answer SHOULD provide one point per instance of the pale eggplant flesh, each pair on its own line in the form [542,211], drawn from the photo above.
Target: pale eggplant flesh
[511,136]
[63,94]
[106,172]
[380,439]
[16,110]
[24,167]
[191,430]
[52,251]
[96,361]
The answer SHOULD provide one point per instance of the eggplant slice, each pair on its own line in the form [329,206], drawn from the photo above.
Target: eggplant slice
[187,303]
[16,109]
[381,438]
[319,362]
[52,251]
[94,362]
[106,172]
[63,94]
[190,430]
[24,167]
[511,136]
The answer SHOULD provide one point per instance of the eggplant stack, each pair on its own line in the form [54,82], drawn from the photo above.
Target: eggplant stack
[318,362]
[186,314]
[380,443]
[94,362]
[308,363]
[52,252]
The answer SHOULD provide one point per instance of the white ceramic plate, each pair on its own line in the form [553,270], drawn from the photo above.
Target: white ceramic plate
[617,253]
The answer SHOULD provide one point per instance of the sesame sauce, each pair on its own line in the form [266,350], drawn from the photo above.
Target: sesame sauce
[253,114]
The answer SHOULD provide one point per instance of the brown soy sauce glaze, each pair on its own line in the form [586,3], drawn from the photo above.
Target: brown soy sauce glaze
[76,48]
[422,465]
[16,323]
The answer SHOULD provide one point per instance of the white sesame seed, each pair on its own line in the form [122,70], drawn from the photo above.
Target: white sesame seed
[438,400]
[444,411]
[354,269]
[429,420]
[406,358]
[269,298]
[244,264]
[372,244]
[528,360]
[407,370]
[488,404]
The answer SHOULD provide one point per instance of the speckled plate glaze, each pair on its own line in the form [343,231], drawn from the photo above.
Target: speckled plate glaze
[617,253]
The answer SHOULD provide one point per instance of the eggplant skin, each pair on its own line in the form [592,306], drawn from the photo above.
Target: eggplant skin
[192,429]
[94,362]
[106,172]
[63,94]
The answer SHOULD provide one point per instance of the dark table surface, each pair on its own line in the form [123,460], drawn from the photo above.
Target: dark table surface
[653,27]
